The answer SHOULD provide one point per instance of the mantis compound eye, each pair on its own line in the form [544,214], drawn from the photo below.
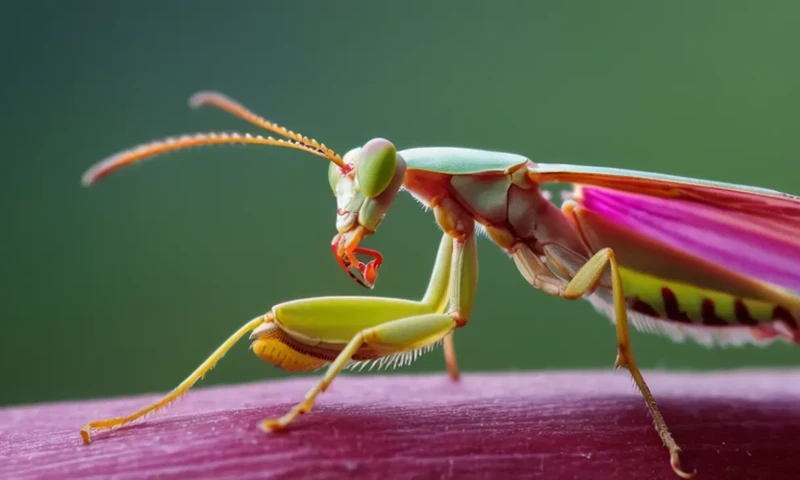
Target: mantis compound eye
[376,164]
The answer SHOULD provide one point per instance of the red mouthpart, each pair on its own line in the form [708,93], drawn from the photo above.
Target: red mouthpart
[365,274]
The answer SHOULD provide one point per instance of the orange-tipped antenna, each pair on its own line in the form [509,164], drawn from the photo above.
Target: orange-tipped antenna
[149,150]
[231,106]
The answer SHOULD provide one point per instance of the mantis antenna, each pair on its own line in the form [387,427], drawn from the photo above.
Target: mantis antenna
[222,102]
[152,149]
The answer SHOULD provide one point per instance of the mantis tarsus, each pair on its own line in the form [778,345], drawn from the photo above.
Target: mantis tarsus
[716,262]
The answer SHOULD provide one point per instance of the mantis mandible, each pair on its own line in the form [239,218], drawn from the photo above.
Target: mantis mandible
[715,262]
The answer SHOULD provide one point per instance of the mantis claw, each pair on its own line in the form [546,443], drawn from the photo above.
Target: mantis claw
[675,463]
[280,424]
[272,426]
[86,435]
[365,274]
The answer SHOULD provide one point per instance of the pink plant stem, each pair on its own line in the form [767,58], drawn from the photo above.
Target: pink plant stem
[592,425]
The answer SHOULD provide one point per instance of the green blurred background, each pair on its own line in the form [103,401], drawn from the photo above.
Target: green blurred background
[126,287]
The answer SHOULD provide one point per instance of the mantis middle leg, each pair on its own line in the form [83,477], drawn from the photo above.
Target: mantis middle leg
[434,296]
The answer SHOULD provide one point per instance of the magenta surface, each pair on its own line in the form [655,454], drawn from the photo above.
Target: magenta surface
[764,247]
[743,425]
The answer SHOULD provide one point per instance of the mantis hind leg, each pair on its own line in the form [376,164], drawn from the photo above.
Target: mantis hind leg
[177,391]
[585,281]
[398,336]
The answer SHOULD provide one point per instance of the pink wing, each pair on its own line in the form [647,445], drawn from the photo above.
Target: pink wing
[743,241]
[747,230]
[762,246]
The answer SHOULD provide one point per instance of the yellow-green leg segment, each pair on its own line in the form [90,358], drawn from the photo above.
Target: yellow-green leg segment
[394,337]
[455,273]
[385,325]
[437,297]
[585,281]
[177,391]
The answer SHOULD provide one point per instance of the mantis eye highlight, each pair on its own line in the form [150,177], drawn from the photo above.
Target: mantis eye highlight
[375,166]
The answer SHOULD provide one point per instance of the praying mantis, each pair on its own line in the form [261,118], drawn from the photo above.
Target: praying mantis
[715,262]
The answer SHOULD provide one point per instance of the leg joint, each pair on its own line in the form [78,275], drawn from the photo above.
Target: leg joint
[458,318]
[452,217]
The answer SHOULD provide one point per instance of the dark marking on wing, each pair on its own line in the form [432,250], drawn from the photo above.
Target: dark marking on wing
[644,308]
[743,313]
[671,306]
[709,314]
[780,313]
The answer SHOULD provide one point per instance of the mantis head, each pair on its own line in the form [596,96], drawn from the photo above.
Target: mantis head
[365,182]
[364,188]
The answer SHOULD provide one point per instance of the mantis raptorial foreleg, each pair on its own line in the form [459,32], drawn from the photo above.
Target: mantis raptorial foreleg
[409,333]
